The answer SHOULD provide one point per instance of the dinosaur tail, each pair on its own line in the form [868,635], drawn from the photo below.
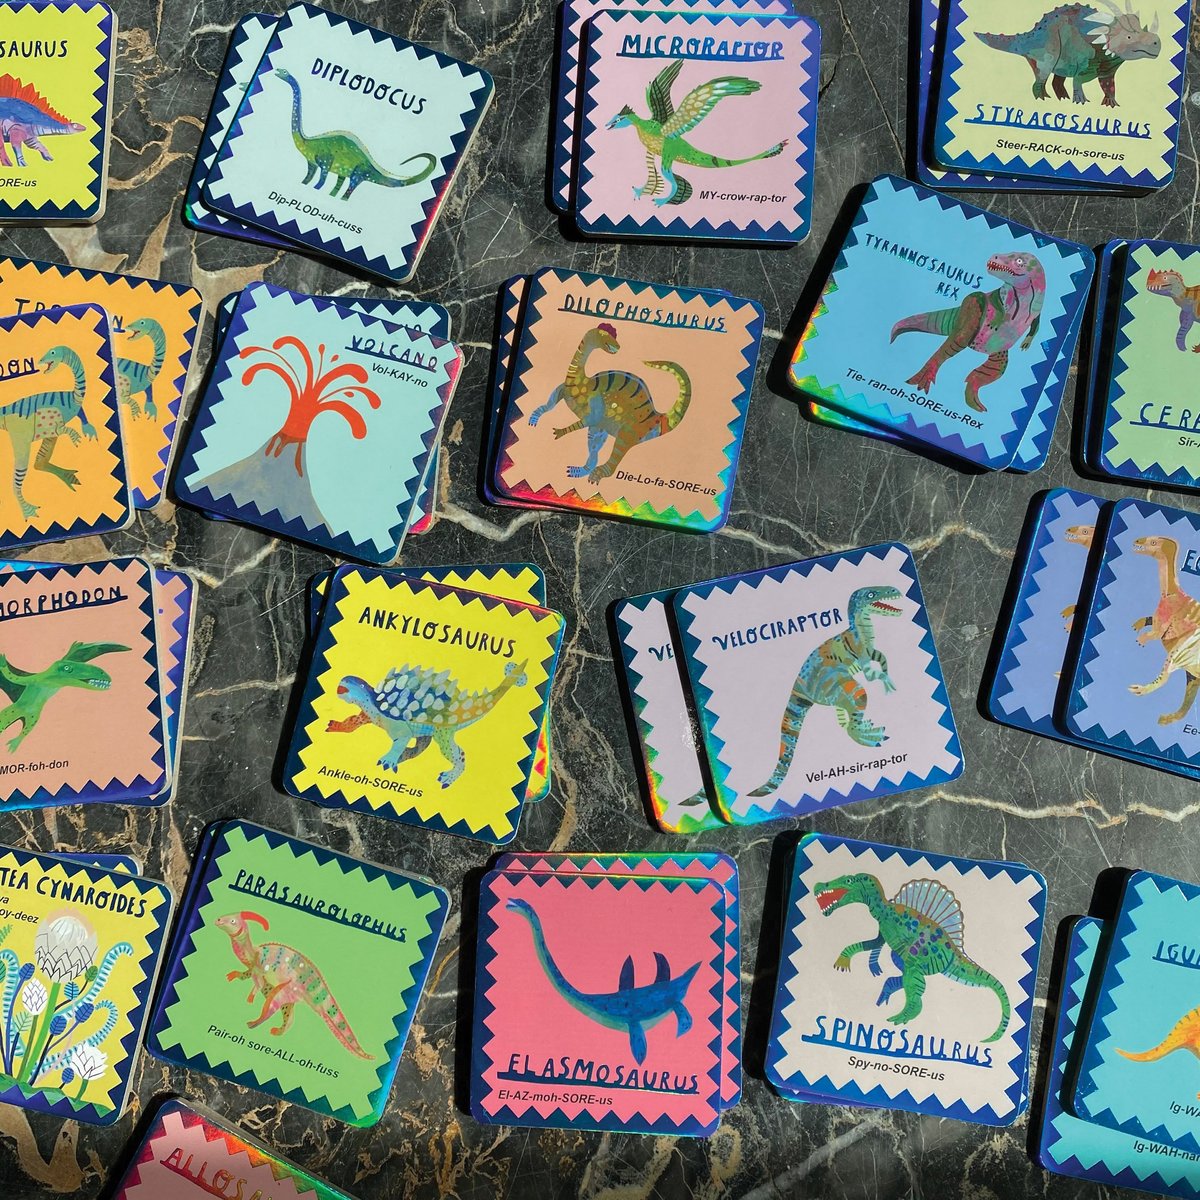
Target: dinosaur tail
[408,180]
[973,975]
[997,41]
[674,414]
[793,719]
[1180,1038]
[713,160]
[941,321]
[330,1012]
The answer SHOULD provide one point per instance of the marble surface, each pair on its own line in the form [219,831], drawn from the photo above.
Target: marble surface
[801,490]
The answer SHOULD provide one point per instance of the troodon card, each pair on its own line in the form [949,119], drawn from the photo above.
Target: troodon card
[906,980]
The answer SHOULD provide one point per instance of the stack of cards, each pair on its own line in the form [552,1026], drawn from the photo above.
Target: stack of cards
[321,419]
[329,135]
[945,328]
[94,663]
[426,701]
[608,993]
[785,691]
[1033,97]
[264,985]
[906,980]
[81,946]
[620,398]
[684,121]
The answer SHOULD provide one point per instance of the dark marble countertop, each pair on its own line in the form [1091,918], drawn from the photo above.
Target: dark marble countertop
[801,490]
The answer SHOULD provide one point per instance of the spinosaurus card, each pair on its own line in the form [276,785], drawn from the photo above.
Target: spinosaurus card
[265,988]
[698,125]
[81,946]
[816,684]
[56,74]
[348,141]
[628,399]
[906,980]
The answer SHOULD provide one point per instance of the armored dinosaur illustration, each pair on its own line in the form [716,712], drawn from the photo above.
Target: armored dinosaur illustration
[1184,1036]
[1080,42]
[1175,622]
[634,1009]
[1077,535]
[990,322]
[285,977]
[44,418]
[1170,283]
[342,154]
[662,133]
[829,676]
[414,707]
[612,404]
[26,118]
[922,927]
[134,378]
[29,692]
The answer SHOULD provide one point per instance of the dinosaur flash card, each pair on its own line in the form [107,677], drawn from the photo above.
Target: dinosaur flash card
[348,141]
[599,1002]
[608,366]
[265,982]
[816,684]
[174,616]
[906,980]
[55,100]
[1078,93]
[698,125]
[424,704]
[81,947]
[1110,280]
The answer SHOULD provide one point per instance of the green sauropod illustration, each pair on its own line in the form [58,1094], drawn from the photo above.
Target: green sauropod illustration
[135,378]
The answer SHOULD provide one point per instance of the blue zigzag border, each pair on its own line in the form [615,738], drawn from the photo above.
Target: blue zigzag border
[1110,271]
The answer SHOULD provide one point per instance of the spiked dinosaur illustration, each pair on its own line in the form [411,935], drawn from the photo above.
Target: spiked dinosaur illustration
[631,1008]
[26,118]
[1184,1036]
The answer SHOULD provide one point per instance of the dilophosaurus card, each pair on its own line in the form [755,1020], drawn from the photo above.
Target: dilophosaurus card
[906,980]
[348,140]
[698,125]
[265,985]
[629,399]
[56,88]
[81,948]
[424,704]
[816,683]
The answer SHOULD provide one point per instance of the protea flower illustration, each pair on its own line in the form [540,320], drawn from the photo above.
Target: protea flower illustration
[88,1064]
[65,947]
[33,997]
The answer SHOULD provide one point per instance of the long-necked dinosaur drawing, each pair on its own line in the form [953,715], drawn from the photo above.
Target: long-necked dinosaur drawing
[133,377]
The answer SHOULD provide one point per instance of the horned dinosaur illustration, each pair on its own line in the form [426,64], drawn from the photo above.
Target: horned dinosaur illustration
[26,118]
[990,322]
[631,1008]
[415,706]
[1184,1036]
[612,404]
[1175,622]
[44,418]
[1170,283]
[922,927]
[29,692]
[829,676]
[342,154]
[1077,535]
[1081,42]
[133,377]
[662,133]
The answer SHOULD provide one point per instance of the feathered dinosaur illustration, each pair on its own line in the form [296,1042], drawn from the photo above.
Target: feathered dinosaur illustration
[989,322]
[1081,42]
[29,692]
[1170,283]
[26,118]
[663,132]
[341,154]
[830,676]
[414,707]
[1184,1036]
[135,378]
[1077,535]
[612,404]
[284,978]
[922,928]
[631,1008]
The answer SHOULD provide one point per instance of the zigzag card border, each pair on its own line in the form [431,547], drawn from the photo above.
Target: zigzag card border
[1100,358]
[510,318]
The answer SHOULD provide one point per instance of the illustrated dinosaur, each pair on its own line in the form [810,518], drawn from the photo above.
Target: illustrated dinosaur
[285,978]
[612,404]
[417,706]
[1080,42]
[342,154]
[922,927]
[633,1009]
[829,676]
[1170,283]
[662,133]
[133,377]
[28,692]
[1184,1036]
[1077,535]
[26,118]
[989,322]
[44,418]
[1175,622]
